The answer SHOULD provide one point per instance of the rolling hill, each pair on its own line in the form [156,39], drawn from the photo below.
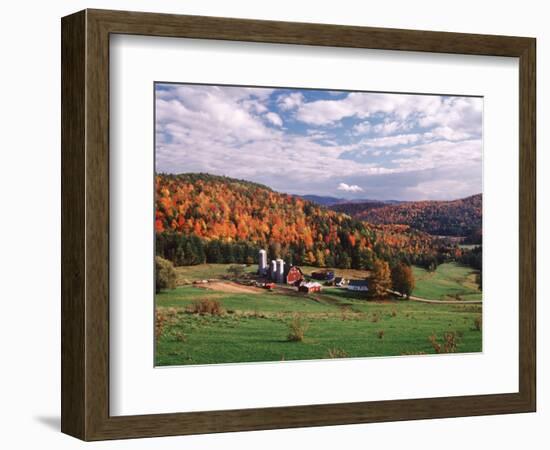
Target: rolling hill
[461,217]
[207,218]
[322,199]
[333,201]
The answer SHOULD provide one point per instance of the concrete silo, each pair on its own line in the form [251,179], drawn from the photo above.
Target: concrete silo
[273,270]
[280,271]
[262,262]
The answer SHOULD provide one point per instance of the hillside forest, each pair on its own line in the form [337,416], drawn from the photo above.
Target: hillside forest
[203,218]
[460,218]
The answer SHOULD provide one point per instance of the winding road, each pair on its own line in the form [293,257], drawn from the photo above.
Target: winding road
[441,302]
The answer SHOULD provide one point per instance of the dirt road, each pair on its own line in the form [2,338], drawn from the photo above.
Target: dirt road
[441,302]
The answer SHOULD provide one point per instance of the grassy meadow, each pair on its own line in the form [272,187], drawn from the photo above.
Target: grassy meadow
[450,281]
[254,324]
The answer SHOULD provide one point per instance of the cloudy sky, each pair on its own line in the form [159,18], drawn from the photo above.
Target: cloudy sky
[343,144]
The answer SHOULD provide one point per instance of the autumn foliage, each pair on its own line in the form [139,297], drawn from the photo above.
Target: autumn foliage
[443,218]
[402,279]
[380,279]
[206,218]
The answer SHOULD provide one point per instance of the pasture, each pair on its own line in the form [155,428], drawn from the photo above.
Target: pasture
[451,281]
[253,325]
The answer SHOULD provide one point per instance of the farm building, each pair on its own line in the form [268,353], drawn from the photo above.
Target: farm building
[323,275]
[309,287]
[273,270]
[276,270]
[280,271]
[262,263]
[340,282]
[294,275]
[358,285]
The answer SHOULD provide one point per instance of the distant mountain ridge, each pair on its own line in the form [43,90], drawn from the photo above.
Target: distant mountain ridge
[462,217]
[330,201]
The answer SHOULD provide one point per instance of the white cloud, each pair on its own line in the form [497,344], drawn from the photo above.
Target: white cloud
[274,118]
[389,127]
[448,133]
[451,117]
[290,101]
[227,131]
[210,112]
[361,128]
[359,105]
[349,188]
[392,141]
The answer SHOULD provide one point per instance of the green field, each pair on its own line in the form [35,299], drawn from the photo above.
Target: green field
[254,326]
[188,274]
[450,281]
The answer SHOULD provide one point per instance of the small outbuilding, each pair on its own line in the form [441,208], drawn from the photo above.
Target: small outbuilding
[309,287]
[323,275]
[358,285]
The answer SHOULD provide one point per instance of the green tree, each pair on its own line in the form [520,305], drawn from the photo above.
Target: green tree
[213,252]
[236,270]
[165,275]
[344,261]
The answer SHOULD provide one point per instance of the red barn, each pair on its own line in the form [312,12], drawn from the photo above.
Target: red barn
[294,275]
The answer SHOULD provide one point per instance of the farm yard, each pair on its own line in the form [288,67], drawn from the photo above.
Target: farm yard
[212,317]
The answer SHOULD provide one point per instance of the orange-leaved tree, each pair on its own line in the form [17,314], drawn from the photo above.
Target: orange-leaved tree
[402,279]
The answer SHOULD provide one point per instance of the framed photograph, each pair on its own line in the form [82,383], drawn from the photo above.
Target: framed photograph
[273,225]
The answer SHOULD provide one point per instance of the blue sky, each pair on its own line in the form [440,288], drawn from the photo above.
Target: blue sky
[343,144]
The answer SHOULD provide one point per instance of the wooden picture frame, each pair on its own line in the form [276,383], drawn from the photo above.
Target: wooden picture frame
[85,224]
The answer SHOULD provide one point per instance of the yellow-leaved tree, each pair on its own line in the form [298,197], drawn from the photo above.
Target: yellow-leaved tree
[380,279]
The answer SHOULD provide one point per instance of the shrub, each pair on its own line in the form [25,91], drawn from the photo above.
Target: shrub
[478,323]
[160,319]
[180,336]
[165,275]
[297,329]
[205,306]
[345,313]
[236,270]
[164,316]
[336,353]
[435,345]
[449,344]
